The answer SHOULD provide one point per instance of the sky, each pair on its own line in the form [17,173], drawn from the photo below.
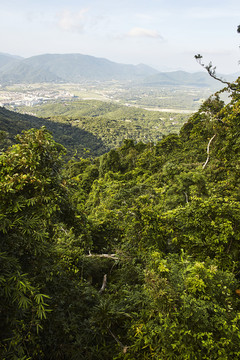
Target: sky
[164,34]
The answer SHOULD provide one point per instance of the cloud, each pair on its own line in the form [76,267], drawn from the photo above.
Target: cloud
[70,21]
[140,32]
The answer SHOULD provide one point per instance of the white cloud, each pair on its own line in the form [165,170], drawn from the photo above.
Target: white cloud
[70,21]
[141,32]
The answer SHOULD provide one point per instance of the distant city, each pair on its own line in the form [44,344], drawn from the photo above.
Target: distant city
[30,97]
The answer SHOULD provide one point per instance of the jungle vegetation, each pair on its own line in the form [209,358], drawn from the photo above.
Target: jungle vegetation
[134,254]
[90,127]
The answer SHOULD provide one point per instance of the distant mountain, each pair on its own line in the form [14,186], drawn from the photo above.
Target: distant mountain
[77,68]
[70,68]
[20,71]
[183,78]
[6,59]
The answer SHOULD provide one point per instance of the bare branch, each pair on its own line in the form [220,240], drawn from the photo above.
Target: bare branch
[212,71]
[124,348]
[186,196]
[109,256]
[104,284]
[208,151]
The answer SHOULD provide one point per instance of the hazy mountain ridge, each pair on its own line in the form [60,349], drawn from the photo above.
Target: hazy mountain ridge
[177,78]
[70,68]
[180,77]
[7,59]
[75,68]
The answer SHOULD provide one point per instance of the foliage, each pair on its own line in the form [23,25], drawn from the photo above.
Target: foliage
[131,255]
[23,310]
[106,122]
[34,201]
[13,123]
[191,311]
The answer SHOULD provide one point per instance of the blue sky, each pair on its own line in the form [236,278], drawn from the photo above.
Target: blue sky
[165,34]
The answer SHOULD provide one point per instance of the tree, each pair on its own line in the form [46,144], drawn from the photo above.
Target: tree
[30,197]
[31,193]
[190,312]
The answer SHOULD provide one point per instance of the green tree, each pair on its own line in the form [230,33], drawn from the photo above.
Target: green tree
[190,312]
[30,197]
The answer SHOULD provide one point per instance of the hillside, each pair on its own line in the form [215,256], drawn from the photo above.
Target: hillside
[183,78]
[6,59]
[70,68]
[93,125]
[75,140]
[131,255]
[77,68]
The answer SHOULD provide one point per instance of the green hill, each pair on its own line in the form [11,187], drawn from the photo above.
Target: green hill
[6,59]
[110,122]
[131,255]
[75,140]
[183,78]
[77,68]
[70,68]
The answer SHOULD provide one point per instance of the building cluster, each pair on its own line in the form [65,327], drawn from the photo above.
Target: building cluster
[33,97]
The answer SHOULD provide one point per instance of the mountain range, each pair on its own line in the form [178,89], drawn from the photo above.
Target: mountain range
[74,68]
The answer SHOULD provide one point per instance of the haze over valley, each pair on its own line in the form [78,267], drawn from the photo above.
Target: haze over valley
[107,100]
[57,77]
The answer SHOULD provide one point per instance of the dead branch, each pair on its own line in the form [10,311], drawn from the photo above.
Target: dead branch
[124,348]
[104,284]
[212,72]
[208,151]
[109,256]
[232,86]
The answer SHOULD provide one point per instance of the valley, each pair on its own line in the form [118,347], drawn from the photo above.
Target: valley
[92,117]
[165,98]
[119,180]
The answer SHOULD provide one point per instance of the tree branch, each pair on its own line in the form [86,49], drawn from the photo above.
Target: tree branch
[109,256]
[208,151]
[104,284]
[212,72]
[124,348]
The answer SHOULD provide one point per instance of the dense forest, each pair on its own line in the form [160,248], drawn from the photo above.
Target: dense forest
[130,255]
[90,127]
